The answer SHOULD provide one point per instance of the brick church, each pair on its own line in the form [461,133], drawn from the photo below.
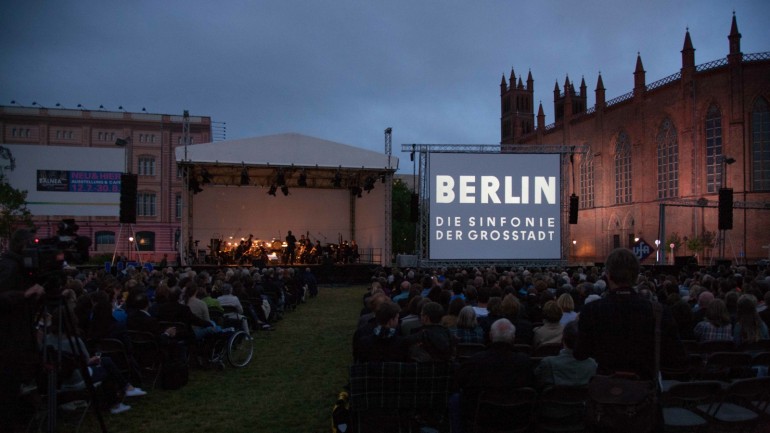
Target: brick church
[659,155]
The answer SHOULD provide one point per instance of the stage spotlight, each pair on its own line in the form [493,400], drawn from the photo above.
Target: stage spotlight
[280,179]
[245,176]
[285,190]
[205,176]
[337,181]
[272,190]
[121,142]
[369,184]
[356,191]
[302,181]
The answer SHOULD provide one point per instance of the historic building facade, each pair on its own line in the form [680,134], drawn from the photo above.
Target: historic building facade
[658,156]
[149,140]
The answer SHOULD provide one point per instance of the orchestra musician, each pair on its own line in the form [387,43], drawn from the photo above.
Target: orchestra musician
[291,243]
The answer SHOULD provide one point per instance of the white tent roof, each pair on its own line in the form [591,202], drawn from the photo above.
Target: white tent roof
[285,150]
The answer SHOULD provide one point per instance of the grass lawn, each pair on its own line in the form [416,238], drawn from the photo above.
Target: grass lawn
[290,385]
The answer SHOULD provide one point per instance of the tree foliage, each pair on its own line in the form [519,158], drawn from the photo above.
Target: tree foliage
[13,209]
[403,229]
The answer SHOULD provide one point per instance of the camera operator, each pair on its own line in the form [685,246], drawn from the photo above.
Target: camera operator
[19,357]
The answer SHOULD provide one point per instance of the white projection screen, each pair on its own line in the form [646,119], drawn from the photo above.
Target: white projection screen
[494,206]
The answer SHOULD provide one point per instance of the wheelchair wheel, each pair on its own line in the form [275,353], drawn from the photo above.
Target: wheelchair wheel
[217,353]
[240,349]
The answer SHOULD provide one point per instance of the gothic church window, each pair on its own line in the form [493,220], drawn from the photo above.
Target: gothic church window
[760,145]
[623,169]
[587,180]
[713,149]
[668,160]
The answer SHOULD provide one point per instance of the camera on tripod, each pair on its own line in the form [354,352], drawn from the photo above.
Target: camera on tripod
[44,258]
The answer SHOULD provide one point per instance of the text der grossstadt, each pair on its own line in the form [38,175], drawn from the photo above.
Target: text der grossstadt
[486,228]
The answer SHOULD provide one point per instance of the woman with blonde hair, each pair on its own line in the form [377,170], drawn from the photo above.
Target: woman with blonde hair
[716,325]
[749,328]
[567,305]
[551,331]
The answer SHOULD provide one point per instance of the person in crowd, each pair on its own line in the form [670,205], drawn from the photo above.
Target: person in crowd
[563,369]
[450,318]
[412,321]
[749,327]
[567,305]
[618,331]
[169,309]
[682,314]
[100,368]
[467,329]
[19,358]
[191,298]
[291,243]
[433,342]
[385,342]
[482,299]
[229,301]
[716,324]
[551,330]
[512,310]
[497,368]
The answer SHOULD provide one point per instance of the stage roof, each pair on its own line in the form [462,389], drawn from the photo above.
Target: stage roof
[290,149]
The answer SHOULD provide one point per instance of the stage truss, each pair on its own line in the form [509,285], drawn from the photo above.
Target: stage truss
[422,188]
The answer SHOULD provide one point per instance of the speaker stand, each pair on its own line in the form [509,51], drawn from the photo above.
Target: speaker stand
[133,246]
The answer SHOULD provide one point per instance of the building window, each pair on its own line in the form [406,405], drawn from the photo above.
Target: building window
[587,180]
[760,145]
[623,169]
[145,204]
[713,149]
[178,206]
[146,166]
[145,241]
[104,240]
[668,160]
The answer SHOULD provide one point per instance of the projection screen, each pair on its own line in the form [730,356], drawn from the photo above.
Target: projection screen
[494,206]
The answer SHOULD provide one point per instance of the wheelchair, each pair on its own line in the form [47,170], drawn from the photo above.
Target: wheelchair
[233,346]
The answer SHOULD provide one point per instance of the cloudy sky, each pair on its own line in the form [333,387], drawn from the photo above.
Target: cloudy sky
[345,70]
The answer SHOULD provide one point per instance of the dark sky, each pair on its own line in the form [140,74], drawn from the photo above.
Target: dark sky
[345,70]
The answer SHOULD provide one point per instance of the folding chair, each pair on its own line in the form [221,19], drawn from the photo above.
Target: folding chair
[743,403]
[116,350]
[712,346]
[147,354]
[680,402]
[466,350]
[505,411]
[562,409]
[726,366]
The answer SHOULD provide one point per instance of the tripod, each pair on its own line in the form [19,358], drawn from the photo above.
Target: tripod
[53,360]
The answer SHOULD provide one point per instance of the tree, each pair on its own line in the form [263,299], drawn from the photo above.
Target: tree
[13,210]
[403,229]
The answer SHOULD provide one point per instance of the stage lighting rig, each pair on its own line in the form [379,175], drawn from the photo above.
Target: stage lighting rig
[302,181]
[337,181]
[369,184]
[280,179]
[272,190]
[285,190]
[205,176]
[245,176]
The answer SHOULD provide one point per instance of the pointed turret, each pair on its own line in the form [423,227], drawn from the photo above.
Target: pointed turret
[583,86]
[512,80]
[520,85]
[530,82]
[735,55]
[503,85]
[600,95]
[688,52]
[639,76]
[540,117]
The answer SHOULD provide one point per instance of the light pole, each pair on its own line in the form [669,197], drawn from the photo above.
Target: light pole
[574,248]
[657,251]
[130,246]
[672,245]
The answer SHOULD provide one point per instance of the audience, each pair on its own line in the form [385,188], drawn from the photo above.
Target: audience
[716,324]
[467,329]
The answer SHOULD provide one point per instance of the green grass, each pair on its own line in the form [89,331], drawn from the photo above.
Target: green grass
[290,385]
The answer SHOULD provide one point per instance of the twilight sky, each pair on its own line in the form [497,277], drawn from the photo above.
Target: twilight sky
[344,70]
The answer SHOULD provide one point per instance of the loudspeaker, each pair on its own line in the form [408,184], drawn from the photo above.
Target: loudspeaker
[574,203]
[414,208]
[725,209]
[128,186]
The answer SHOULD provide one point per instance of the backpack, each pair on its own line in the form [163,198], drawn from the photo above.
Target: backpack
[341,414]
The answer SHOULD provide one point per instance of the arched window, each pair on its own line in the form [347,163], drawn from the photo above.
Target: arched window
[713,149]
[760,145]
[668,160]
[104,240]
[587,180]
[145,241]
[623,169]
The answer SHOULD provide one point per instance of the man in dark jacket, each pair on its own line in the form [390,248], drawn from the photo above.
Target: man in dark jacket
[618,331]
[499,368]
[18,349]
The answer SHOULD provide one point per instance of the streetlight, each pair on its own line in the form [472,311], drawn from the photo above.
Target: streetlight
[657,251]
[130,246]
[574,247]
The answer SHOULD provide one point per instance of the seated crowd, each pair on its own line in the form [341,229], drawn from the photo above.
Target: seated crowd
[180,309]
[510,318]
